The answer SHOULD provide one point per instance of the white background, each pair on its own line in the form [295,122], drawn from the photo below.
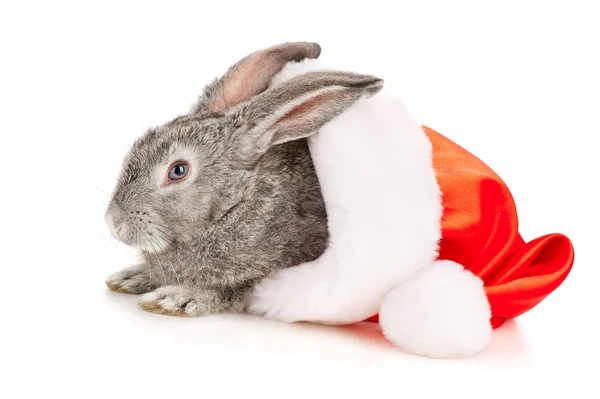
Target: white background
[515,82]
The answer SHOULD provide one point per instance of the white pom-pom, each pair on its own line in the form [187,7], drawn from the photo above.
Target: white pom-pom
[442,312]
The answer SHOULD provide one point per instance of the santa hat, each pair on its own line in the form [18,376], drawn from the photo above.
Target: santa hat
[480,230]
[423,237]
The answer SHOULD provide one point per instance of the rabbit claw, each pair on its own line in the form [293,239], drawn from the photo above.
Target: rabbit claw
[133,280]
[172,301]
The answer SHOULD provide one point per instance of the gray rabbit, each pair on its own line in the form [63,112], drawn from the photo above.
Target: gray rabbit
[223,196]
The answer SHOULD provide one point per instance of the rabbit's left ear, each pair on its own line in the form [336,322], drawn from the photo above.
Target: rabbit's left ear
[252,75]
[297,108]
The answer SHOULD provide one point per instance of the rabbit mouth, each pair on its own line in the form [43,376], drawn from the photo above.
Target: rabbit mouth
[138,229]
[148,238]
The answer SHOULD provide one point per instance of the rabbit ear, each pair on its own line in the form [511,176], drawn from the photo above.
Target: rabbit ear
[252,75]
[298,108]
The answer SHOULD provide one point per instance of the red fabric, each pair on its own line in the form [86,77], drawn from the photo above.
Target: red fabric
[480,232]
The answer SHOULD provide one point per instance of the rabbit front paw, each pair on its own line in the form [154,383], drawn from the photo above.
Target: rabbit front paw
[187,301]
[173,300]
[132,280]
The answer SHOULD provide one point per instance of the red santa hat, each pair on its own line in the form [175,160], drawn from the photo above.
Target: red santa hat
[424,237]
[480,230]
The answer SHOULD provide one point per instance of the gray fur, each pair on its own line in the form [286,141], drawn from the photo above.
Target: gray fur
[255,206]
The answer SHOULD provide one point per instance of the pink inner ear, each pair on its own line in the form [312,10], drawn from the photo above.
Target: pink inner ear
[294,116]
[249,79]
[310,105]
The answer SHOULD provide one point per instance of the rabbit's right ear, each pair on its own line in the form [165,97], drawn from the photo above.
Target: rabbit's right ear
[296,109]
[252,75]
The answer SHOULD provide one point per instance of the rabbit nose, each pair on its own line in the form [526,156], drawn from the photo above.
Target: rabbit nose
[114,230]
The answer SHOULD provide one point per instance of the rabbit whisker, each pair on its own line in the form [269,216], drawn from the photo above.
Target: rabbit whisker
[154,239]
[99,189]
[164,237]
[161,236]
[164,234]
[160,228]
[157,224]
[106,244]
[162,248]
[149,266]
[158,260]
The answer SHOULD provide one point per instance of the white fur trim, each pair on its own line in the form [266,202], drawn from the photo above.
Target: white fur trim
[383,204]
[441,312]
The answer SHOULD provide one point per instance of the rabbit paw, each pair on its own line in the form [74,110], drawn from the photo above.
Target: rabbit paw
[132,280]
[172,300]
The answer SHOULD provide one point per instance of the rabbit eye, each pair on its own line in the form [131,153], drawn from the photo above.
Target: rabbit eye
[178,171]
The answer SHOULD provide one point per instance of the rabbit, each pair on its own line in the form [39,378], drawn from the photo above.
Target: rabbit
[222,196]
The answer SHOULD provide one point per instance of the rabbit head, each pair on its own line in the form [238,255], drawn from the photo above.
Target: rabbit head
[180,178]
